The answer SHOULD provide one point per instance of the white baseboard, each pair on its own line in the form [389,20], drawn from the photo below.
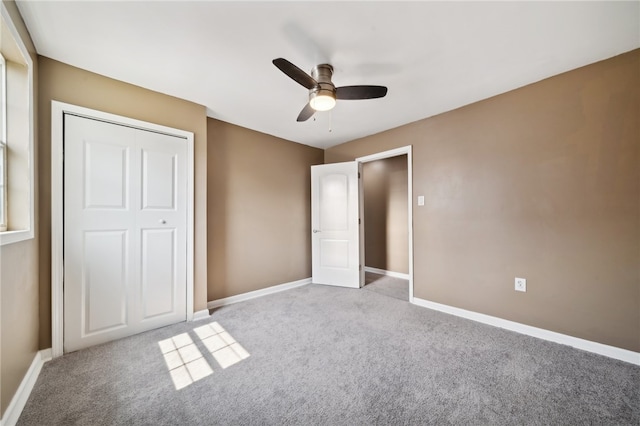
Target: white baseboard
[19,400]
[257,293]
[200,315]
[387,273]
[585,345]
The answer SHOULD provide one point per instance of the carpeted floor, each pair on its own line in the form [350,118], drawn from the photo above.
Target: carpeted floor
[326,355]
[387,286]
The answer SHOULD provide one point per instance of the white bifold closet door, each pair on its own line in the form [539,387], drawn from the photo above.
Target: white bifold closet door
[125,223]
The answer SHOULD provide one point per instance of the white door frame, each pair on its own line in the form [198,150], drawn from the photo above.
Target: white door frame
[394,153]
[58,109]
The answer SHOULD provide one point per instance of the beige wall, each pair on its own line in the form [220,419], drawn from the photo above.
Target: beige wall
[259,210]
[385,214]
[19,315]
[542,183]
[72,85]
[18,284]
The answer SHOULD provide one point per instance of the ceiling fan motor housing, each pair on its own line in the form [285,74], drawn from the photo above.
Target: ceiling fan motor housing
[325,88]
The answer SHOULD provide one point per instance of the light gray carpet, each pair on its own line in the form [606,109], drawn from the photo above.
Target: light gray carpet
[388,286]
[326,355]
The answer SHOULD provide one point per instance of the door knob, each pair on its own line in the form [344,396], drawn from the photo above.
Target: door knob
[315,231]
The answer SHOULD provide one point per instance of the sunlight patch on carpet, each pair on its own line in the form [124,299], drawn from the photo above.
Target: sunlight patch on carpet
[185,362]
[224,349]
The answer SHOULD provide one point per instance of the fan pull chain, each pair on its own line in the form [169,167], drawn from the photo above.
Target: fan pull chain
[330,121]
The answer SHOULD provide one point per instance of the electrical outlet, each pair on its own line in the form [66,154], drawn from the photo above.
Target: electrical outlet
[521,284]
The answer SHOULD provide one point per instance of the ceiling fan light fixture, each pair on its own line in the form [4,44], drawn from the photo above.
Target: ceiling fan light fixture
[323,100]
[322,92]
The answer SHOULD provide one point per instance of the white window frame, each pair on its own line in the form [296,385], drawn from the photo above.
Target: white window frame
[28,232]
[3,145]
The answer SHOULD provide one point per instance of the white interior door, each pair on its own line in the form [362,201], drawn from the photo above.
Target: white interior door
[125,226]
[337,249]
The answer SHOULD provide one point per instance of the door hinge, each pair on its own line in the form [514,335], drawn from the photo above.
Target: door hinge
[358,175]
[359,221]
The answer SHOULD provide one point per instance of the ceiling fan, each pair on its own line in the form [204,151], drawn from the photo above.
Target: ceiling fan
[322,92]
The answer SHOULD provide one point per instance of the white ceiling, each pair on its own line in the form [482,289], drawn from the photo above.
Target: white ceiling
[433,56]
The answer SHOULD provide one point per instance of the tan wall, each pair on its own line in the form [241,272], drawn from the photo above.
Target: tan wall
[19,321]
[542,183]
[18,284]
[385,214]
[72,85]
[259,210]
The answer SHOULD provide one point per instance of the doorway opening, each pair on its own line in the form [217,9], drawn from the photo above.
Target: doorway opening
[388,224]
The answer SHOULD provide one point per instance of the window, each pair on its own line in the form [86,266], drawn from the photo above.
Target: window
[3,145]
[17,172]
